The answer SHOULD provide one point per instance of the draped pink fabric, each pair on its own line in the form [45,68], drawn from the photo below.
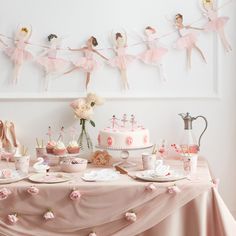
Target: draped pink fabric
[196,210]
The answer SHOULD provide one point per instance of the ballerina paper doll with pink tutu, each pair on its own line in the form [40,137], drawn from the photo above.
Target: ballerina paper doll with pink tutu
[87,63]
[49,59]
[154,53]
[187,39]
[19,54]
[121,60]
[215,23]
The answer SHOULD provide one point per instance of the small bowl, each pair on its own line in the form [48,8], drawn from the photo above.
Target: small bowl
[73,165]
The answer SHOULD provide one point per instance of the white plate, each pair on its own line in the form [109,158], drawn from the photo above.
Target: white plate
[14,179]
[103,175]
[147,176]
[50,178]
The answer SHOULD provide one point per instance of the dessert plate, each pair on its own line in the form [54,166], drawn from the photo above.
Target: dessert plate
[17,176]
[50,178]
[101,175]
[150,175]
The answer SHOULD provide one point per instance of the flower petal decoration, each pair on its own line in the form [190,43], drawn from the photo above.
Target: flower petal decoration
[150,187]
[12,218]
[4,193]
[130,216]
[48,215]
[75,195]
[173,189]
[32,190]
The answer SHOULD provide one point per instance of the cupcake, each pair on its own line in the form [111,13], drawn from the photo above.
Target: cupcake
[73,147]
[59,149]
[50,146]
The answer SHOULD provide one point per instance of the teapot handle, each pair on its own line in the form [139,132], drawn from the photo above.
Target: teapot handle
[206,125]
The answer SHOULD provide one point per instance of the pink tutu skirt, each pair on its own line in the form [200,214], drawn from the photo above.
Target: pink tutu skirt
[87,64]
[152,56]
[121,61]
[18,55]
[186,41]
[52,64]
[216,24]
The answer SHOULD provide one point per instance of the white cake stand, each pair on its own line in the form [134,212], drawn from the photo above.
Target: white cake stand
[124,154]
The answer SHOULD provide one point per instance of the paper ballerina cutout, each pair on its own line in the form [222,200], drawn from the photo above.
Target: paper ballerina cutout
[187,39]
[87,63]
[154,53]
[48,59]
[19,54]
[215,23]
[122,60]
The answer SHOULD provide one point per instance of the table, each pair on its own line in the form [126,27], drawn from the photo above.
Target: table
[197,210]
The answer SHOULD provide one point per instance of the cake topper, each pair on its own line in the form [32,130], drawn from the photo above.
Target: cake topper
[187,38]
[49,133]
[121,60]
[124,120]
[133,121]
[61,135]
[215,23]
[114,122]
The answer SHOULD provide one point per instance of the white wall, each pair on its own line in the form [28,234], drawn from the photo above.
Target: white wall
[160,115]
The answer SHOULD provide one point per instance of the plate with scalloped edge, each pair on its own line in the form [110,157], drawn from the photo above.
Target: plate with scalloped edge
[17,177]
[149,175]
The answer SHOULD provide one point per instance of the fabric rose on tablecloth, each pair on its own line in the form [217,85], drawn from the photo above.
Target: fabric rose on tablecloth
[151,187]
[92,234]
[75,195]
[130,216]
[48,215]
[173,189]
[4,193]
[12,218]
[32,190]
[101,158]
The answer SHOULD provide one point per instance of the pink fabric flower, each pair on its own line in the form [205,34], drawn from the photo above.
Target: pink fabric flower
[33,190]
[173,189]
[129,140]
[130,216]
[145,139]
[151,187]
[99,139]
[109,141]
[4,193]
[12,218]
[75,195]
[48,215]
[92,234]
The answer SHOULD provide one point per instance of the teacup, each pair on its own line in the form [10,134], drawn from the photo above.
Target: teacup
[150,162]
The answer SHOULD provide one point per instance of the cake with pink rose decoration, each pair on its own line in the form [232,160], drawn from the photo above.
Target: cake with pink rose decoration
[124,134]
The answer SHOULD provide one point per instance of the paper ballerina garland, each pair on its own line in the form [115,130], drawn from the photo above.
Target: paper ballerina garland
[121,60]
[87,63]
[215,23]
[19,54]
[187,39]
[154,53]
[49,60]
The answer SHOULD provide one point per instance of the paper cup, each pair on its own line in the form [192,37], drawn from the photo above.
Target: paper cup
[190,164]
[41,152]
[22,163]
[149,161]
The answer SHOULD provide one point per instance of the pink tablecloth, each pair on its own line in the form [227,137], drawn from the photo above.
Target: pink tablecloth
[196,210]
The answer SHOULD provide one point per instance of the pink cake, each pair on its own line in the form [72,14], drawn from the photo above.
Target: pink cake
[122,135]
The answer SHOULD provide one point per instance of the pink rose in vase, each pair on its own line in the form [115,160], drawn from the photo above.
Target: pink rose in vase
[75,195]
[4,193]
